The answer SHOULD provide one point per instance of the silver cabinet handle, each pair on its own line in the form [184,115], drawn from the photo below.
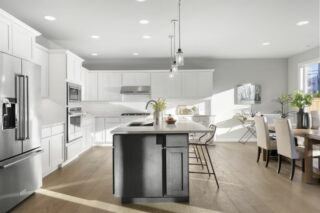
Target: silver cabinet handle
[26,107]
[19,112]
[23,157]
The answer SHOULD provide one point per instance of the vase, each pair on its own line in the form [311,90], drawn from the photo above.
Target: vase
[300,116]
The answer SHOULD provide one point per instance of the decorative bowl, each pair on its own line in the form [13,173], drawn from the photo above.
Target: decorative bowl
[171,121]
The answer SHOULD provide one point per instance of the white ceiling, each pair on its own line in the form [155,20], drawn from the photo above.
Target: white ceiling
[210,28]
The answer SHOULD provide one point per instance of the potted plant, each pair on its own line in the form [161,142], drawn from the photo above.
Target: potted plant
[158,107]
[300,101]
[284,100]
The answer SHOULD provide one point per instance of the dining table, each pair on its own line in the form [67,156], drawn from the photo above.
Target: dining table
[311,138]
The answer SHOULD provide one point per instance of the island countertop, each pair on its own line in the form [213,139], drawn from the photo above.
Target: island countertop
[184,126]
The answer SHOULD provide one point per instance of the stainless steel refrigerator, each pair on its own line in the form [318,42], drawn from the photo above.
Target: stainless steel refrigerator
[20,159]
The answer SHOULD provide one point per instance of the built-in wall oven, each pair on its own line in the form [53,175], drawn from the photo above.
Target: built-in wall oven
[73,93]
[74,123]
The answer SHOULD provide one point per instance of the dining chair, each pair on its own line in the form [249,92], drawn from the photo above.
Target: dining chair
[286,144]
[264,141]
[202,144]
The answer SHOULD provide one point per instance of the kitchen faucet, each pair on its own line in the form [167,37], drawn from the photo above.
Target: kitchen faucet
[156,112]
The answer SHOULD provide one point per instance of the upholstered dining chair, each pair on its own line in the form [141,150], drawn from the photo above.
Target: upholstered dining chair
[202,144]
[264,142]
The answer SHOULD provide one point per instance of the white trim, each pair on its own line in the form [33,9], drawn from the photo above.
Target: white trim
[152,71]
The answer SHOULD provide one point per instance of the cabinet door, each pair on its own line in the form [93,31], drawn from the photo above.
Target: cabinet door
[5,40]
[177,171]
[100,131]
[190,84]
[70,68]
[109,85]
[136,79]
[162,86]
[45,145]
[90,86]
[137,166]
[205,82]
[56,149]
[41,57]
[77,70]
[22,42]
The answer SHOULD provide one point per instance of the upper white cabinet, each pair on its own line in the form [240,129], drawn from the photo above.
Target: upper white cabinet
[136,79]
[90,86]
[74,68]
[109,86]
[41,57]
[5,35]
[197,84]
[162,86]
[16,38]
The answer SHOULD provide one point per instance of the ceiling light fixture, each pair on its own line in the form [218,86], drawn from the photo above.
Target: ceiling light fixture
[301,23]
[94,54]
[174,65]
[140,0]
[144,21]
[171,74]
[95,36]
[179,54]
[266,44]
[135,54]
[146,37]
[50,18]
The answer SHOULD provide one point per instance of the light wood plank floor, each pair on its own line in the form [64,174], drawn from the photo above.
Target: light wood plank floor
[85,185]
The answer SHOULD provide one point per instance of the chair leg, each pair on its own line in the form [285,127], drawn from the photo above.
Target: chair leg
[259,153]
[210,161]
[293,166]
[303,165]
[319,163]
[268,154]
[205,160]
[199,156]
[279,163]
[194,150]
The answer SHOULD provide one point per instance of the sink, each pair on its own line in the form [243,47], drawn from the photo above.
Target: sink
[141,124]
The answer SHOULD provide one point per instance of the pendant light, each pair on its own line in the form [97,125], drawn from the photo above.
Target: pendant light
[174,65]
[179,54]
[171,74]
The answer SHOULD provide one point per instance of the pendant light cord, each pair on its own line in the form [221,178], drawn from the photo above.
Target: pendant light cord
[179,24]
[174,36]
[171,57]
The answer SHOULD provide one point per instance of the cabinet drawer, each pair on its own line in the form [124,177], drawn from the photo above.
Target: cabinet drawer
[57,129]
[177,140]
[46,132]
[112,120]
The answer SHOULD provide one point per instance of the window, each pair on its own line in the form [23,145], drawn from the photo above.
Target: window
[311,77]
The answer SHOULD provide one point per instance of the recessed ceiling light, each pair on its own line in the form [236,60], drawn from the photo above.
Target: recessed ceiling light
[266,44]
[95,36]
[94,54]
[140,0]
[144,21]
[301,23]
[135,54]
[146,37]
[50,18]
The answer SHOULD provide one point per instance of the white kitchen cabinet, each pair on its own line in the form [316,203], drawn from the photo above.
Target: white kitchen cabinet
[41,57]
[57,143]
[162,86]
[74,149]
[196,85]
[5,35]
[88,127]
[103,128]
[22,42]
[100,131]
[74,68]
[90,90]
[136,79]
[45,145]
[52,143]
[109,86]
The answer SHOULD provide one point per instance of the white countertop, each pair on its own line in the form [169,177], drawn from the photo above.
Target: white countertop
[180,127]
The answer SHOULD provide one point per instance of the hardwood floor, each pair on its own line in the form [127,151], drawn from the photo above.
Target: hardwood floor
[85,185]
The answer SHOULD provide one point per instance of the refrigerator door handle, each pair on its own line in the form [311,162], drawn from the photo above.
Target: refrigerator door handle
[26,107]
[8,163]
[19,112]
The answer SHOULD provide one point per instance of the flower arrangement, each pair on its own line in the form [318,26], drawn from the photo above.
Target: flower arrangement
[160,106]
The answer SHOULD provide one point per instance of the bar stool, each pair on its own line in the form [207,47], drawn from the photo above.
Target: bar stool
[202,144]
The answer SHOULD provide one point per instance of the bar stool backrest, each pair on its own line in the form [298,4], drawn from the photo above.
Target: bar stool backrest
[207,138]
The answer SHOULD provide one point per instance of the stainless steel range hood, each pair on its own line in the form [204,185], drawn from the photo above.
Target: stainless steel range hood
[135,90]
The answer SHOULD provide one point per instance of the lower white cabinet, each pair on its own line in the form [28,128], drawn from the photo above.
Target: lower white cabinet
[52,143]
[74,149]
[103,128]
[88,127]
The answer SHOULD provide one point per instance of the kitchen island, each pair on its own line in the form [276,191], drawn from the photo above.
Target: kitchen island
[151,163]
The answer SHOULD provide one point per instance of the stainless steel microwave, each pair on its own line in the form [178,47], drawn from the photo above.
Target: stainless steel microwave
[73,93]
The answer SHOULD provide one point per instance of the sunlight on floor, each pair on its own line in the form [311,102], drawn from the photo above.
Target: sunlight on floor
[170,207]
[75,183]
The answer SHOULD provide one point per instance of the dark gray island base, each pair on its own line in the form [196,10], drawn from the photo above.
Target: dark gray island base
[151,167]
